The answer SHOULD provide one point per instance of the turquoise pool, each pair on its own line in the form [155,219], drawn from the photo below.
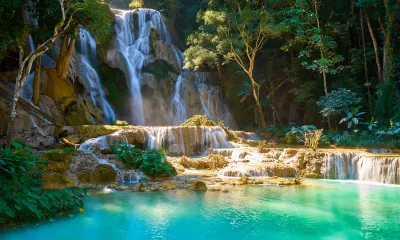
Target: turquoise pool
[331,210]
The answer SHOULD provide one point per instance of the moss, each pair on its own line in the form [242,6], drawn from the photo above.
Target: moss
[198,121]
[213,161]
[54,180]
[113,80]
[76,114]
[59,89]
[92,131]
[154,36]
[159,68]
[203,121]
[102,173]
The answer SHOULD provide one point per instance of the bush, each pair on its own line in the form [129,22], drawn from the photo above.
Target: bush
[22,197]
[120,123]
[296,134]
[151,162]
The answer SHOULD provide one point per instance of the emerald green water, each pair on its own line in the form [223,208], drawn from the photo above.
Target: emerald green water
[333,210]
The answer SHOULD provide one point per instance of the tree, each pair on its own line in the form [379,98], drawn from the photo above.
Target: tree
[25,63]
[385,13]
[317,53]
[237,31]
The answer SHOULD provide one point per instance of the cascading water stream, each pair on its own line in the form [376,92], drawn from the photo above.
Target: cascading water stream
[133,46]
[351,166]
[91,80]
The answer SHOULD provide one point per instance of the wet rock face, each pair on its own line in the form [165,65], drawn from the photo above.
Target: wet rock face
[103,173]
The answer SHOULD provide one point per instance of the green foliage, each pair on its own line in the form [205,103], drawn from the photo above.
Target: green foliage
[337,102]
[352,118]
[120,123]
[295,135]
[22,197]
[387,104]
[151,162]
[136,4]
[13,30]
[318,48]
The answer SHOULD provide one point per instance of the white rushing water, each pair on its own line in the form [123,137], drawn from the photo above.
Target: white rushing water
[89,76]
[133,45]
[351,166]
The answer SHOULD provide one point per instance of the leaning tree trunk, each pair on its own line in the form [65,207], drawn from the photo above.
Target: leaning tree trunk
[256,95]
[26,64]
[36,81]
[376,49]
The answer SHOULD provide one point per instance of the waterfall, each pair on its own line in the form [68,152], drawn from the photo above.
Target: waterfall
[176,141]
[89,76]
[177,109]
[353,166]
[132,44]
[257,170]
[212,102]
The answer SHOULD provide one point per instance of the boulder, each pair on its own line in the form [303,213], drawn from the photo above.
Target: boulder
[55,180]
[197,184]
[102,173]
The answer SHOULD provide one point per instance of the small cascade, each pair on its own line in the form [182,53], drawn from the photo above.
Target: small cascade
[258,170]
[178,113]
[89,76]
[241,154]
[176,141]
[132,48]
[351,166]
[212,102]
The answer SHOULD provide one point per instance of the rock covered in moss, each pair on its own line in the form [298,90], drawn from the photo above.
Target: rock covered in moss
[102,173]
[55,180]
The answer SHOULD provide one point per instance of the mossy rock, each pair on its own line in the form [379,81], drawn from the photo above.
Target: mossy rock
[159,68]
[86,132]
[103,173]
[76,114]
[59,89]
[198,121]
[198,185]
[54,180]
[57,155]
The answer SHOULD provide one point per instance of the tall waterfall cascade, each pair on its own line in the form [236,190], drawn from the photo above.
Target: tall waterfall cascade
[136,47]
[89,76]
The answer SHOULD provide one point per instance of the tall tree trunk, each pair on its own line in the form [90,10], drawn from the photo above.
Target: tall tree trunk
[36,81]
[365,62]
[376,49]
[66,51]
[387,47]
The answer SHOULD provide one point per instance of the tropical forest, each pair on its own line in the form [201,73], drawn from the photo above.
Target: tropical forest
[199,119]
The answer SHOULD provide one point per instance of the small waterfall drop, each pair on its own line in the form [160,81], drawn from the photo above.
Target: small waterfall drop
[178,113]
[91,80]
[351,166]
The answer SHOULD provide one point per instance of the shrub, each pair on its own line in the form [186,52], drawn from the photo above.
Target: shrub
[311,139]
[151,162]
[120,123]
[22,197]
[217,161]
[296,134]
[338,101]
